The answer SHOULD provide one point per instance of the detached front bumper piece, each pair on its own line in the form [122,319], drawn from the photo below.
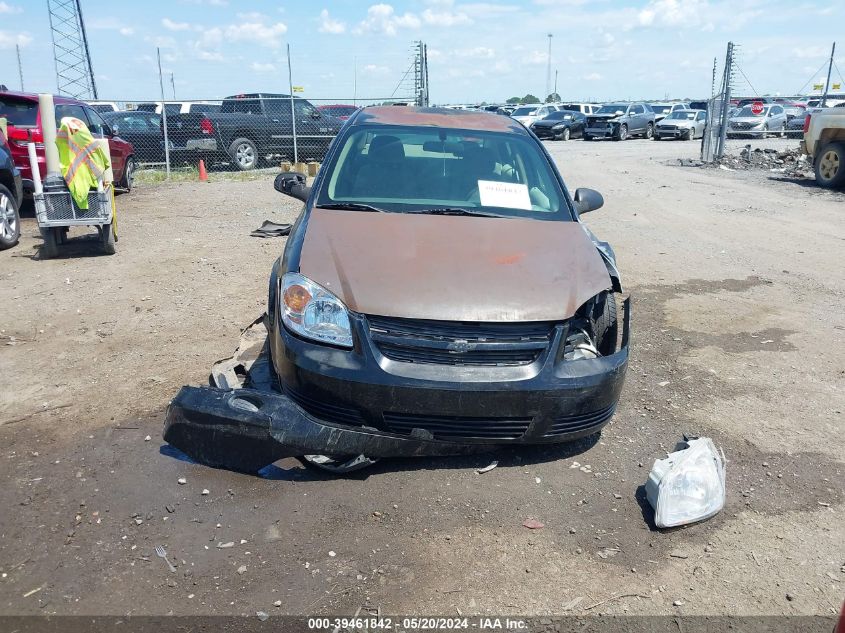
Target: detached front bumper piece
[246,430]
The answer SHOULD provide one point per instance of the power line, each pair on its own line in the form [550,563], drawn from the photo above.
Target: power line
[811,79]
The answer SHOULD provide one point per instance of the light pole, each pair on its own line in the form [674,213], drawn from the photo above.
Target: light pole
[549,69]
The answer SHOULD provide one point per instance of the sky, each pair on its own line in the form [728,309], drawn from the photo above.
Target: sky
[478,51]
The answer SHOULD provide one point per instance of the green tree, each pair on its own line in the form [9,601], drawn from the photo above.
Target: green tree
[513,100]
[529,98]
[552,98]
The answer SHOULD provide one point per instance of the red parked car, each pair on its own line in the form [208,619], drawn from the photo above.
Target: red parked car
[339,110]
[24,120]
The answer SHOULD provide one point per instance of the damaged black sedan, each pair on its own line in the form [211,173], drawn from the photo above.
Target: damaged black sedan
[438,295]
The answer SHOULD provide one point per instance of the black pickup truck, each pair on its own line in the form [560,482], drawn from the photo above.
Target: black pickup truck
[250,128]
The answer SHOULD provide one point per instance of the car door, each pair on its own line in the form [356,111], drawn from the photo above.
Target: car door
[119,149]
[700,122]
[579,122]
[779,118]
[636,119]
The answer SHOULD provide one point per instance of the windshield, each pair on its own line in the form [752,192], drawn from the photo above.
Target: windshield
[339,111]
[525,111]
[660,109]
[415,169]
[681,114]
[746,111]
[612,108]
[20,112]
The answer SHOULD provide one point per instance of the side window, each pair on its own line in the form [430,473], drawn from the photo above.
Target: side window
[95,122]
[69,109]
[637,109]
[247,106]
[700,116]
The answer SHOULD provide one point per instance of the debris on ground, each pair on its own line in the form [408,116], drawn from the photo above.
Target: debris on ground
[790,162]
[688,485]
[271,229]
[487,468]
[533,524]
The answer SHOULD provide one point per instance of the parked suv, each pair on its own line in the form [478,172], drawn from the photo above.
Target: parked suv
[21,110]
[619,121]
[11,193]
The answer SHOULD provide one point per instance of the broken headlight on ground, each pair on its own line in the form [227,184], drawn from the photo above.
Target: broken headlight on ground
[687,486]
[313,312]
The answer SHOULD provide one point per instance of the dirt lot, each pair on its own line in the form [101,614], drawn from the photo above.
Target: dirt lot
[738,334]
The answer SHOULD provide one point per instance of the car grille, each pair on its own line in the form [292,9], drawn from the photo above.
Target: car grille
[738,125]
[452,427]
[578,422]
[460,343]
[323,410]
[667,128]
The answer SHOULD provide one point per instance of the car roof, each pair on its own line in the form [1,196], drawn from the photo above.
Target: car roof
[32,96]
[437,117]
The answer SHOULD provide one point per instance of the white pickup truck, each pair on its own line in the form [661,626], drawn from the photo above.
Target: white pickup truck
[824,142]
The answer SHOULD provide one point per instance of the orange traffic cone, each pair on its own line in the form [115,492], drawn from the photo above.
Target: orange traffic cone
[203,173]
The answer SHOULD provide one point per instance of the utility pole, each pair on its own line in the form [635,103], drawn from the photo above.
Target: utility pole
[555,90]
[726,99]
[354,80]
[163,116]
[20,67]
[827,83]
[549,69]
[173,86]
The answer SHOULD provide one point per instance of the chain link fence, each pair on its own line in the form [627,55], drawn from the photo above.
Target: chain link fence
[241,133]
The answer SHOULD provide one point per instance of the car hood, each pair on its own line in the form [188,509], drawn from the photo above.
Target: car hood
[452,268]
[677,122]
[607,117]
[552,122]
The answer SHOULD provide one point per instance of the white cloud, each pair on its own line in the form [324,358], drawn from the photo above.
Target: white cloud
[329,25]
[170,25]
[263,68]
[810,52]
[375,69]
[593,77]
[213,3]
[126,31]
[445,18]
[381,18]
[257,33]
[9,8]
[479,52]
[537,57]
[10,40]
[252,16]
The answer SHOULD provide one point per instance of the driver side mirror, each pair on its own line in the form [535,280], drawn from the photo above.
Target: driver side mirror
[292,184]
[108,131]
[587,200]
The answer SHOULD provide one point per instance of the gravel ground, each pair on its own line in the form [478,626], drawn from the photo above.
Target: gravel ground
[738,334]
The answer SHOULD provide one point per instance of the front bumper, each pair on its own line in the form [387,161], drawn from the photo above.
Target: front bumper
[663,132]
[608,130]
[546,132]
[247,429]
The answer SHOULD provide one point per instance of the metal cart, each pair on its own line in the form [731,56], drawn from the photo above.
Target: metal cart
[56,212]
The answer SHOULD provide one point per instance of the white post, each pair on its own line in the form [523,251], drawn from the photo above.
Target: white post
[292,109]
[163,116]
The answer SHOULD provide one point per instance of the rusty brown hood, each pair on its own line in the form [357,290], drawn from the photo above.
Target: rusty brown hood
[453,268]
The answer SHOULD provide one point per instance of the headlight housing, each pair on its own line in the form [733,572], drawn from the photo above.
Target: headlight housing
[557,125]
[579,346]
[313,312]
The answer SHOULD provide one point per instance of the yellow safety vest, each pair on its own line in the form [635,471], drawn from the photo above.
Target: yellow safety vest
[83,160]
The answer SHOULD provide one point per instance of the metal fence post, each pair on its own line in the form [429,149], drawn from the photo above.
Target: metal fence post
[292,109]
[163,116]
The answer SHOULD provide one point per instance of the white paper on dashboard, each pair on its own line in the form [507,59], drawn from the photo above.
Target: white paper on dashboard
[504,194]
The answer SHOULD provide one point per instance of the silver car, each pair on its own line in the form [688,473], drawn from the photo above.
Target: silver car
[683,124]
[770,118]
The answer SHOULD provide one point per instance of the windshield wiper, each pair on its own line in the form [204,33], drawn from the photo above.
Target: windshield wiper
[351,206]
[457,211]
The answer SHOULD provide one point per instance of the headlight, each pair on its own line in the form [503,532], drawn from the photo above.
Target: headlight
[579,346]
[559,125]
[687,486]
[313,312]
